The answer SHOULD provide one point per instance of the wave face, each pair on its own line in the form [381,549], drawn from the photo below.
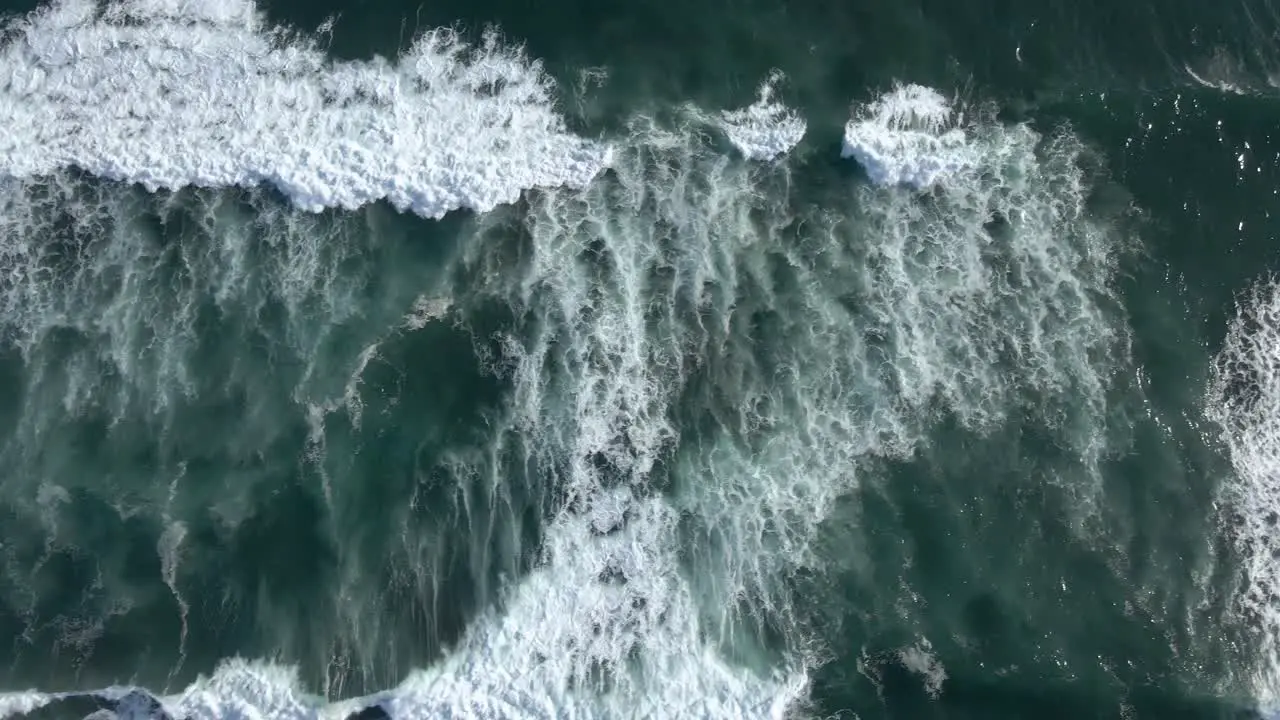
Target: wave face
[168,94]
[631,402]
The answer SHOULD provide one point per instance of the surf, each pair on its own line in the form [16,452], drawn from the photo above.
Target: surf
[684,368]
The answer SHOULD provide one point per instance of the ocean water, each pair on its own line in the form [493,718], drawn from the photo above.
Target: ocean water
[728,359]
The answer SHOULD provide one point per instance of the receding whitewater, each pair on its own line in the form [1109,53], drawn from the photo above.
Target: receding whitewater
[412,387]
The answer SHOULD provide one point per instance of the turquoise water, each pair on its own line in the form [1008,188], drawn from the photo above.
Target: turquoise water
[486,382]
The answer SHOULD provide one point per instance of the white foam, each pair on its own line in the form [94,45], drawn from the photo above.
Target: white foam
[244,689]
[540,658]
[427,310]
[994,293]
[141,335]
[1244,399]
[615,346]
[20,703]
[766,129]
[910,136]
[174,93]
[239,689]
[652,275]
[608,625]
[919,659]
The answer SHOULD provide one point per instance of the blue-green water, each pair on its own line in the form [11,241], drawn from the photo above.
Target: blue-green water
[508,376]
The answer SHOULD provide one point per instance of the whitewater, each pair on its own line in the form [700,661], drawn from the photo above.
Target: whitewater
[956,274]
[170,93]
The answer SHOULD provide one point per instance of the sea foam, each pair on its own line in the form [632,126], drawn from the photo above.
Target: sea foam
[171,93]
[237,689]
[1244,399]
[609,624]
[21,703]
[650,277]
[765,129]
[910,136]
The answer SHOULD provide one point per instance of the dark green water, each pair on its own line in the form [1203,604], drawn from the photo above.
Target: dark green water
[705,433]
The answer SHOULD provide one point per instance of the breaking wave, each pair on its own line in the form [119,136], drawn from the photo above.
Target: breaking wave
[911,136]
[169,93]
[766,129]
[1244,399]
[694,366]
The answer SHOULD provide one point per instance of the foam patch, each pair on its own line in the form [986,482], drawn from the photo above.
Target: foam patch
[169,94]
[1244,399]
[911,136]
[766,129]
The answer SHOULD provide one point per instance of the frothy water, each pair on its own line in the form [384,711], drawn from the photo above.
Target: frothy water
[662,285]
[695,366]
[765,129]
[911,136]
[919,659]
[616,278]
[168,94]
[1244,399]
